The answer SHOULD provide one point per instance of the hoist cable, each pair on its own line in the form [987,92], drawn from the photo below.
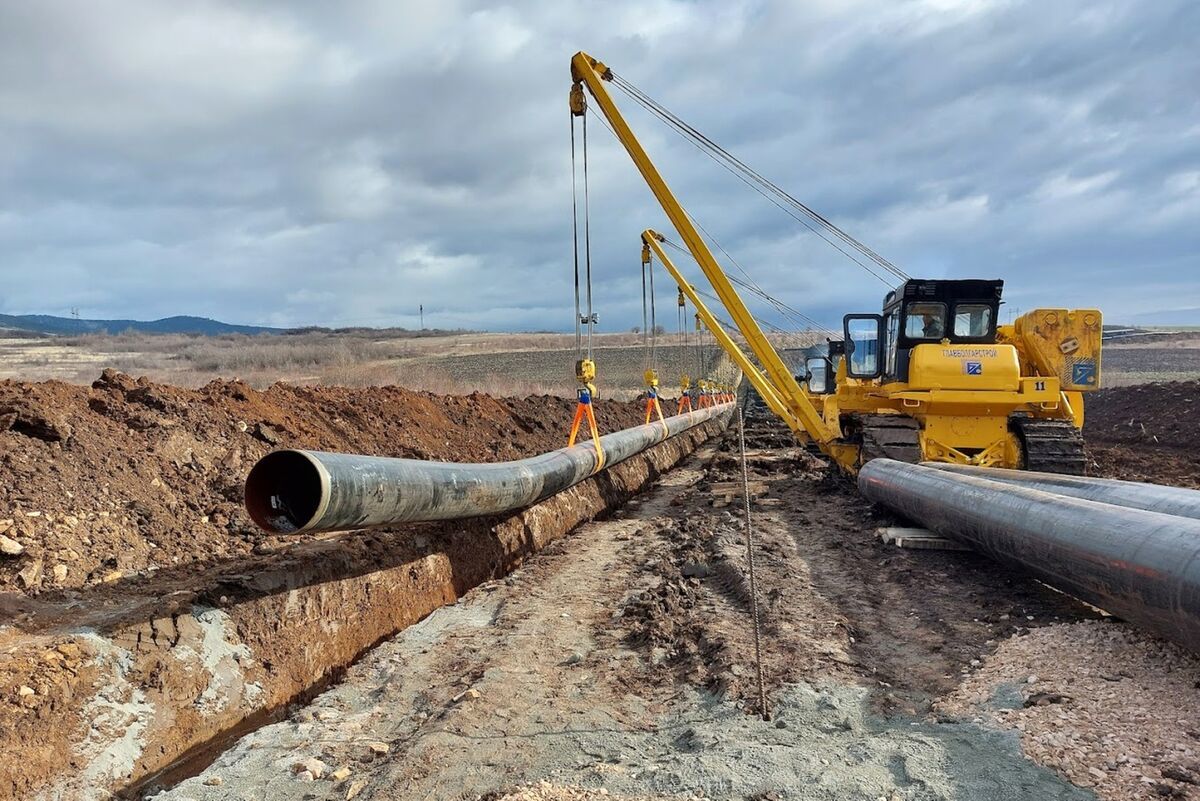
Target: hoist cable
[604,122]
[728,326]
[683,337]
[765,323]
[653,323]
[800,322]
[587,241]
[773,201]
[795,315]
[770,191]
[575,239]
[717,151]
[754,286]
[645,323]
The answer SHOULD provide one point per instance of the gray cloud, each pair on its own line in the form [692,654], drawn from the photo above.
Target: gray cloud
[291,163]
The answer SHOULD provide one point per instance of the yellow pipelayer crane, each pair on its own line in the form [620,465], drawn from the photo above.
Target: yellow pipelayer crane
[933,377]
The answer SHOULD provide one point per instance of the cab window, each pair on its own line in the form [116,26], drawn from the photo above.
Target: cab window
[862,342]
[972,320]
[892,329]
[818,374]
[925,321]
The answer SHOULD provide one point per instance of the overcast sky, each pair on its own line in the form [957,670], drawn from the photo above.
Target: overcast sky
[312,163]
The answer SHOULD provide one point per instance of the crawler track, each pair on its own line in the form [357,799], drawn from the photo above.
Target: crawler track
[1050,446]
[890,436]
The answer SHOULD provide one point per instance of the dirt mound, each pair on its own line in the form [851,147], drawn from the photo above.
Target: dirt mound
[130,476]
[1166,414]
[1146,432]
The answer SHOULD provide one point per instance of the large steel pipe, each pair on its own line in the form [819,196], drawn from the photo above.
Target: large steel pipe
[292,491]
[1134,494]
[1143,566]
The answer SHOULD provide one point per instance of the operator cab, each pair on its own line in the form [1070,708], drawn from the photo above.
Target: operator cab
[920,311]
[820,371]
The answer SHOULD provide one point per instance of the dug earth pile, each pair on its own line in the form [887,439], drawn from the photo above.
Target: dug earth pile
[145,619]
[129,476]
[145,624]
[620,664]
[1146,432]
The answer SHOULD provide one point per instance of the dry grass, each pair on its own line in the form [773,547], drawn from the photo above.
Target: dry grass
[232,352]
[500,364]
[454,363]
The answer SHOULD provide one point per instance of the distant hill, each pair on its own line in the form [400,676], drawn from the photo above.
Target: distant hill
[49,324]
[1185,317]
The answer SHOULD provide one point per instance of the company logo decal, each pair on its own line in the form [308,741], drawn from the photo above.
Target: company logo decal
[973,368]
[971,353]
[1083,372]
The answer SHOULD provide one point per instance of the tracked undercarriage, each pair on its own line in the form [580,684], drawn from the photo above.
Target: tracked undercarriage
[1048,446]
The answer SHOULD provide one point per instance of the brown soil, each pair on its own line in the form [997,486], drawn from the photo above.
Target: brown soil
[161,558]
[129,476]
[839,602]
[135,488]
[1146,432]
[619,658]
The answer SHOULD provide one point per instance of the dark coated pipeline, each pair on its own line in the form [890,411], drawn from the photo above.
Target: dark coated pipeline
[1143,566]
[1134,494]
[292,491]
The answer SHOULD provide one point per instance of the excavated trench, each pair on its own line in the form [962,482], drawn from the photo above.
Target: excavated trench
[144,624]
[146,686]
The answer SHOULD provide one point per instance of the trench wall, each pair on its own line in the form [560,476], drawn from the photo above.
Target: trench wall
[146,694]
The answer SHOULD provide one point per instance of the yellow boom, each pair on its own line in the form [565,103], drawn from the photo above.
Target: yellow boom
[801,412]
[651,243]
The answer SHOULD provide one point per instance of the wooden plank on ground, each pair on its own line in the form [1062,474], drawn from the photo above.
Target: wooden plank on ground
[919,539]
[735,487]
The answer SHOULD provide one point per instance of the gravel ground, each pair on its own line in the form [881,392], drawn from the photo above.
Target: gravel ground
[616,666]
[1102,703]
[617,662]
[545,791]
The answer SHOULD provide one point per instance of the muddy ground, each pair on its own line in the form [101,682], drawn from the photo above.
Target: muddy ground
[1147,432]
[144,618]
[620,660]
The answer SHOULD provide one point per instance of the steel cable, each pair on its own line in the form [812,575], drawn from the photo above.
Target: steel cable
[575,240]
[758,661]
[794,314]
[734,163]
[587,241]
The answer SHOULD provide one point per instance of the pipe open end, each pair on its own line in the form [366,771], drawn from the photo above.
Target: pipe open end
[285,491]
